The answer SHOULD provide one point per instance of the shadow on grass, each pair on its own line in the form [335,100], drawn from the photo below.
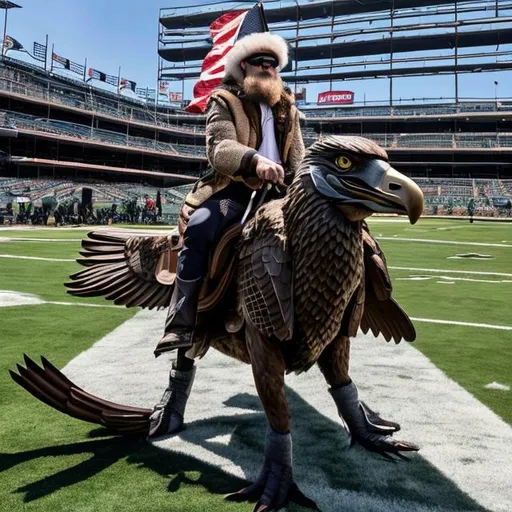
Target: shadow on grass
[108,451]
[321,460]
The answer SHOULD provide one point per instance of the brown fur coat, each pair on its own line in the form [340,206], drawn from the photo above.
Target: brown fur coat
[233,132]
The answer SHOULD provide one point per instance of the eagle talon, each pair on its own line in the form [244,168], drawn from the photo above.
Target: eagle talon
[377,424]
[383,445]
[366,427]
[275,486]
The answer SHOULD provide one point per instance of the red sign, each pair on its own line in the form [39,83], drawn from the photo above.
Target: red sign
[335,97]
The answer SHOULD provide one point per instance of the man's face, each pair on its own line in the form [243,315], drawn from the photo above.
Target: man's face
[262,66]
[262,82]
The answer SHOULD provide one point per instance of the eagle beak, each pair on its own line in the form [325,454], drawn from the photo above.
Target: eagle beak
[403,189]
[371,187]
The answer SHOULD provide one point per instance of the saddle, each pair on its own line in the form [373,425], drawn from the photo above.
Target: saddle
[220,268]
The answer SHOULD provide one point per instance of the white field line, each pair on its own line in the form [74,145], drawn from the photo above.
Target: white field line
[426,320]
[82,304]
[99,227]
[52,229]
[399,239]
[451,279]
[9,298]
[27,239]
[466,449]
[464,324]
[16,257]
[56,303]
[414,269]
[446,271]
[497,385]
[447,242]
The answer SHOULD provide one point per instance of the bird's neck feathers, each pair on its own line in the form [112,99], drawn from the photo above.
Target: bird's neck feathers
[305,209]
[327,253]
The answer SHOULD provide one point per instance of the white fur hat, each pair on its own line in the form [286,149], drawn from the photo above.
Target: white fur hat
[249,45]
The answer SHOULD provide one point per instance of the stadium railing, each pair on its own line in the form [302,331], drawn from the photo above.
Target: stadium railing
[21,78]
[404,140]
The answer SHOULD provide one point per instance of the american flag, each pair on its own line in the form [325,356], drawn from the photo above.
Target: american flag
[225,31]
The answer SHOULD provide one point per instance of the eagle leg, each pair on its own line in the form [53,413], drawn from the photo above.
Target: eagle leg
[334,364]
[275,485]
[362,430]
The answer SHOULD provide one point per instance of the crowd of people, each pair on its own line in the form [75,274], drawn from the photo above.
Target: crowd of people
[73,211]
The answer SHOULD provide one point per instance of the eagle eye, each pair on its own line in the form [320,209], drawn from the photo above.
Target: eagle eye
[344,163]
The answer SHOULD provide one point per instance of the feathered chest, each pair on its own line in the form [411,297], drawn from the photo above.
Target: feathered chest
[301,262]
[328,268]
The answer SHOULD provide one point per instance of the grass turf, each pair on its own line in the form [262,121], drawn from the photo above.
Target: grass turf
[52,462]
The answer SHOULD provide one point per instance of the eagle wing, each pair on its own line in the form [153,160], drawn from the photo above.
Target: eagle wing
[131,270]
[266,274]
[382,314]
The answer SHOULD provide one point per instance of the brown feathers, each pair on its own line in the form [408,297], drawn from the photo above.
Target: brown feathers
[53,388]
[265,270]
[122,267]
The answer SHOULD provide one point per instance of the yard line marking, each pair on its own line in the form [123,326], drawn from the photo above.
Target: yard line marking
[9,298]
[448,242]
[87,305]
[16,257]
[451,279]
[56,303]
[464,324]
[29,239]
[415,269]
[51,228]
[497,385]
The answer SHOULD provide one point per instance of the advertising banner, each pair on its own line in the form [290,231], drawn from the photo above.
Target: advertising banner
[336,98]
[163,86]
[175,97]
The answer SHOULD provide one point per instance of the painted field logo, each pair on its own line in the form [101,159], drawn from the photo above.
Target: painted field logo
[335,98]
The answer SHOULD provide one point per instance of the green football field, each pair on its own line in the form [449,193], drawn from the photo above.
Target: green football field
[453,278]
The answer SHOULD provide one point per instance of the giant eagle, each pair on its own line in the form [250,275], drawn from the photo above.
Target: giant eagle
[302,276]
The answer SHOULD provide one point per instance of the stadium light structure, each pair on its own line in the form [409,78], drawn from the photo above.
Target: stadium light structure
[6,4]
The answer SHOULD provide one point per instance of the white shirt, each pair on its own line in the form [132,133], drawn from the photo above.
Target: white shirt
[268,146]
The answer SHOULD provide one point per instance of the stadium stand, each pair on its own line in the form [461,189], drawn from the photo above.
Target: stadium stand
[59,135]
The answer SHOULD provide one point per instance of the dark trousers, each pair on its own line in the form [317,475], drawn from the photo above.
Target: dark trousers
[204,228]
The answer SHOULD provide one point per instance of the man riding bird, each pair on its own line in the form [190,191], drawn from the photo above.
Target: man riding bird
[253,137]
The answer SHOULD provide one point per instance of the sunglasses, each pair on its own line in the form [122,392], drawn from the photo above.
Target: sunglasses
[263,62]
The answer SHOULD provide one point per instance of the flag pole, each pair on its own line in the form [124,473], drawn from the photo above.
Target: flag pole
[85,70]
[119,90]
[46,54]
[51,64]
[263,17]
[5,31]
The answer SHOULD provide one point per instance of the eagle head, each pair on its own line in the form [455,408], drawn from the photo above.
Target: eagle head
[354,173]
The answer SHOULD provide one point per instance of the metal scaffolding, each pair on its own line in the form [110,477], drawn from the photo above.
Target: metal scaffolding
[332,41]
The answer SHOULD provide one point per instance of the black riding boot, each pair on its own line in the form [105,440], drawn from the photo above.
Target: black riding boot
[168,414]
[181,319]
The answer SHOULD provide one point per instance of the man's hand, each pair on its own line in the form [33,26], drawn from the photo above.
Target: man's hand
[266,170]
